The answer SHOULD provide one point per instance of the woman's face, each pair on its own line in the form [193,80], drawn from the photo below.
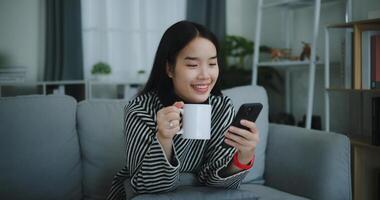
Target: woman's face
[196,71]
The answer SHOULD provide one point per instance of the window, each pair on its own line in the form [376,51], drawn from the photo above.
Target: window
[126,33]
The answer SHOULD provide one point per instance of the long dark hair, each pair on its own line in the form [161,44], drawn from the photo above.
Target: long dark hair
[175,38]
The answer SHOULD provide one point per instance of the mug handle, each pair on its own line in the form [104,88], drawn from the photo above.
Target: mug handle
[180,131]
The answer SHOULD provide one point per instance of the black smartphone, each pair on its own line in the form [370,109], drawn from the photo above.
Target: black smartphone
[247,111]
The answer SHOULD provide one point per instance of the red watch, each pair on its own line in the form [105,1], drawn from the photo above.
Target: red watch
[240,165]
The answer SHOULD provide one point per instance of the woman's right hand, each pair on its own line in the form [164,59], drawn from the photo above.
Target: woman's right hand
[168,121]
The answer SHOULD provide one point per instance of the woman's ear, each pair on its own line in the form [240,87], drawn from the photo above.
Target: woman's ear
[169,70]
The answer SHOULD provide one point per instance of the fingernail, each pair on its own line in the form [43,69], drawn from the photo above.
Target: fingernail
[178,104]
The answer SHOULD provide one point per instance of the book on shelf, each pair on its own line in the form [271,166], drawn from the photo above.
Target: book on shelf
[367,58]
[375,61]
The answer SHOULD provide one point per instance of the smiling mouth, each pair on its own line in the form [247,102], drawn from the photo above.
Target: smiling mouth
[200,88]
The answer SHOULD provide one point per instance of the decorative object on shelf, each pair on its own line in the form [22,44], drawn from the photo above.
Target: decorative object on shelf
[60,90]
[306,51]
[101,70]
[277,54]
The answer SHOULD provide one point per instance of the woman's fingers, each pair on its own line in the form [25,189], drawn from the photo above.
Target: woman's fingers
[173,124]
[248,124]
[243,139]
[172,116]
[168,120]
[237,138]
[232,143]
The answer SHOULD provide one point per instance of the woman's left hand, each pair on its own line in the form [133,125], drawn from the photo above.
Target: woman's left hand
[245,141]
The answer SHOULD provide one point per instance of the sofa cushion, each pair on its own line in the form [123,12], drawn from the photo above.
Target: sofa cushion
[267,193]
[100,128]
[200,193]
[39,148]
[250,94]
[314,163]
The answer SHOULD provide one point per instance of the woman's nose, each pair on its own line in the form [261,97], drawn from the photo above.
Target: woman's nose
[204,72]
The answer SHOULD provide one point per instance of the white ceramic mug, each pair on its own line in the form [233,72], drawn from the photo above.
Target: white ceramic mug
[196,121]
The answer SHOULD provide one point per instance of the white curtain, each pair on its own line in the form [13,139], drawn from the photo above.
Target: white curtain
[126,33]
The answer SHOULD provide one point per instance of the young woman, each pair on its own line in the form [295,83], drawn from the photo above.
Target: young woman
[185,70]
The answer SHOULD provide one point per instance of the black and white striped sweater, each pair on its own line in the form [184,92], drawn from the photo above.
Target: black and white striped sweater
[147,167]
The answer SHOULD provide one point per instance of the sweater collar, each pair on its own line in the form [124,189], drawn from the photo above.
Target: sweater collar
[173,97]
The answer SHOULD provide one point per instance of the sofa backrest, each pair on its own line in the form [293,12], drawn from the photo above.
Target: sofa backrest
[102,142]
[100,129]
[39,150]
[253,94]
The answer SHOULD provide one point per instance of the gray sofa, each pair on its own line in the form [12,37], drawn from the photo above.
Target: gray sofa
[52,147]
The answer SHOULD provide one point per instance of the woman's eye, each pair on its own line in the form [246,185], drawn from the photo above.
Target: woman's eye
[212,64]
[191,65]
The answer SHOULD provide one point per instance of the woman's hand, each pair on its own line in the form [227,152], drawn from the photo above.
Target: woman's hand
[168,120]
[245,141]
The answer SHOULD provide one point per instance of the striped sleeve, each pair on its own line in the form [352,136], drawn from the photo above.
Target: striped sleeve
[151,172]
[218,157]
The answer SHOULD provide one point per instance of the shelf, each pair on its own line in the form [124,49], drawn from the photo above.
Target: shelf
[364,142]
[293,65]
[286,63]
[294,4]
[79,89]
[353,90]
[289,3]
[358,27]
[115,83]
[352,24]
[73,82]
[286,6]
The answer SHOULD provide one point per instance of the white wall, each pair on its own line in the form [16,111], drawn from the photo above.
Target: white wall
[361,9]
[22,35]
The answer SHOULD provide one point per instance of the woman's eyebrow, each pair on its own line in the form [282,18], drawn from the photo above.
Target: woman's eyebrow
[191,58]
[196,58]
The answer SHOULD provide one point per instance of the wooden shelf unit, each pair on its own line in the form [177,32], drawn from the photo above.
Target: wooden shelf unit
[365,162]
[358,27]
[365,156]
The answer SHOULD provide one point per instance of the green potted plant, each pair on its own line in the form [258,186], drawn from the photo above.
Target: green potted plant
[101,70]
[235,52]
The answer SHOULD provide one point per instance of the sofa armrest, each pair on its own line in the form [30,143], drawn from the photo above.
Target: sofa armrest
[310,163]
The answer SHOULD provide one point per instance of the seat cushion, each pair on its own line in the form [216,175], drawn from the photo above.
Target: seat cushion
[100,128]
[39,149]
[251,94]
[266,193]
[200,193]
